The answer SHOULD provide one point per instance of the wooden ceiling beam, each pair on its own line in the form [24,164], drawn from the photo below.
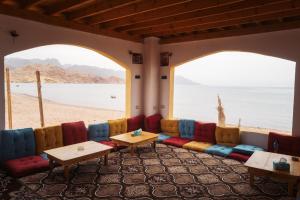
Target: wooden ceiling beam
[193,15]
[28,3]
[99,7]
[58,21]
[232,22]
[187,7]
[62,6]
[231,33]
[232,15]
[131,10]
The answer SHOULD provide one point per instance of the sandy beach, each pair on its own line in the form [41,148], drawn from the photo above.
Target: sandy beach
[25,111]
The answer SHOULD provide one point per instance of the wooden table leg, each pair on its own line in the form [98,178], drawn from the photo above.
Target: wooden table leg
[291,184]
[132,150]
[251,178]
[154,145]
[51,164]
[66,172]
[106,159]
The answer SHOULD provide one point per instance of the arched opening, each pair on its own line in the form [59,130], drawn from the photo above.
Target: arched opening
[77,84]
[256,91]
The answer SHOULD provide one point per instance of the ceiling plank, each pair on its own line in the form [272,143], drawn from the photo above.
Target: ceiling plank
[28,3]
[58,21]
[193,15]
[231,22]
[131,10]
[62,6]
[99,7]
[232,33]
[175,10]
[239,14]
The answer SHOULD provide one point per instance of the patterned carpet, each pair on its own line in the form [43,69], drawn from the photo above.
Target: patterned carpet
[167,173]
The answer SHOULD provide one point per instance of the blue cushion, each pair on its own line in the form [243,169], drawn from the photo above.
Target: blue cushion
[162,137]
[219,150]
[17,143]
[98,132]
[246,149]
[186,128]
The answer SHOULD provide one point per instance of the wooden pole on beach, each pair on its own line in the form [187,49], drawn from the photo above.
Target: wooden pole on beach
[8,94]
[39,87]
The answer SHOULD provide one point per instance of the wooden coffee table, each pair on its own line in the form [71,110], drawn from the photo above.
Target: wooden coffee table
[132,142]
[261,164]
[69,155]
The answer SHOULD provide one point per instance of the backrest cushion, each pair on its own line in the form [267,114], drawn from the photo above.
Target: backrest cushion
[205,132]
[16,143]
[152,123]
[74,132]
[98,132]
[135,123]
[117,126]
[287,144]
[170,127]
[187,128]
[48,138]
[227,136]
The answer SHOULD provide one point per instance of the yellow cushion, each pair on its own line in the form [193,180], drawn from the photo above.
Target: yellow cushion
[117,126]
[170,127]
[197,146]
[228,136]
[48,138]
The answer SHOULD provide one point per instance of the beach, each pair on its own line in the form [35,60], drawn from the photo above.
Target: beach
[25,110]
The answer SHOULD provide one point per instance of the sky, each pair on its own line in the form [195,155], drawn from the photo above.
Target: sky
[239,69]
[68,54]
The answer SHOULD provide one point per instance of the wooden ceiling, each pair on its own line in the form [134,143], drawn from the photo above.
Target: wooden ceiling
[170,20]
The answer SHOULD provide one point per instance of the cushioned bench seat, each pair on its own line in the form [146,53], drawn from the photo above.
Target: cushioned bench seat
[176,141]
[239,156]
[246,149]
[197,146]
[162,137]
[26,165]
[219,150]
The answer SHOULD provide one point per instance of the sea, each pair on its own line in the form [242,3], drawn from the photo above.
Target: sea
[259,107]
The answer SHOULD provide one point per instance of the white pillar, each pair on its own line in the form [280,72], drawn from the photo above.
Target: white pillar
[151,75]
[296,114]
[2,94]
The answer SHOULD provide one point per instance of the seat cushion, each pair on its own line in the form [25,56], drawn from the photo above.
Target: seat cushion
[228,136]
[74,132]
[16,143]
[135,123]
[109,143]
[170,127]
[246,149]
[152,123]
[48,138]
[98,132]
[239,156]
[219,150]
[176,141]
[287,144]
[117,126]
[186,128]
[162,137]
[26,165]
[197,146]
[205,132]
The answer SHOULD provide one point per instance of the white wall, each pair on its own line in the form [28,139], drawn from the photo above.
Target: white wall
[282,44]
[34,34]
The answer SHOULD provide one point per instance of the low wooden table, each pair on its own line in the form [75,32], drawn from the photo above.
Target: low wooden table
[69,155]
[261,164]
[132,142]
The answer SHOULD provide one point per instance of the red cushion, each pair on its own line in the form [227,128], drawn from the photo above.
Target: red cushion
[109,143]
[287,144]
[74,132]
[26,165]
[152,123]
[135,123]
[205,132]
[176,141]
[239,156]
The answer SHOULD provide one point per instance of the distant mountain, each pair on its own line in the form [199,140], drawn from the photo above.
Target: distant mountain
[52,70]
[180,80]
